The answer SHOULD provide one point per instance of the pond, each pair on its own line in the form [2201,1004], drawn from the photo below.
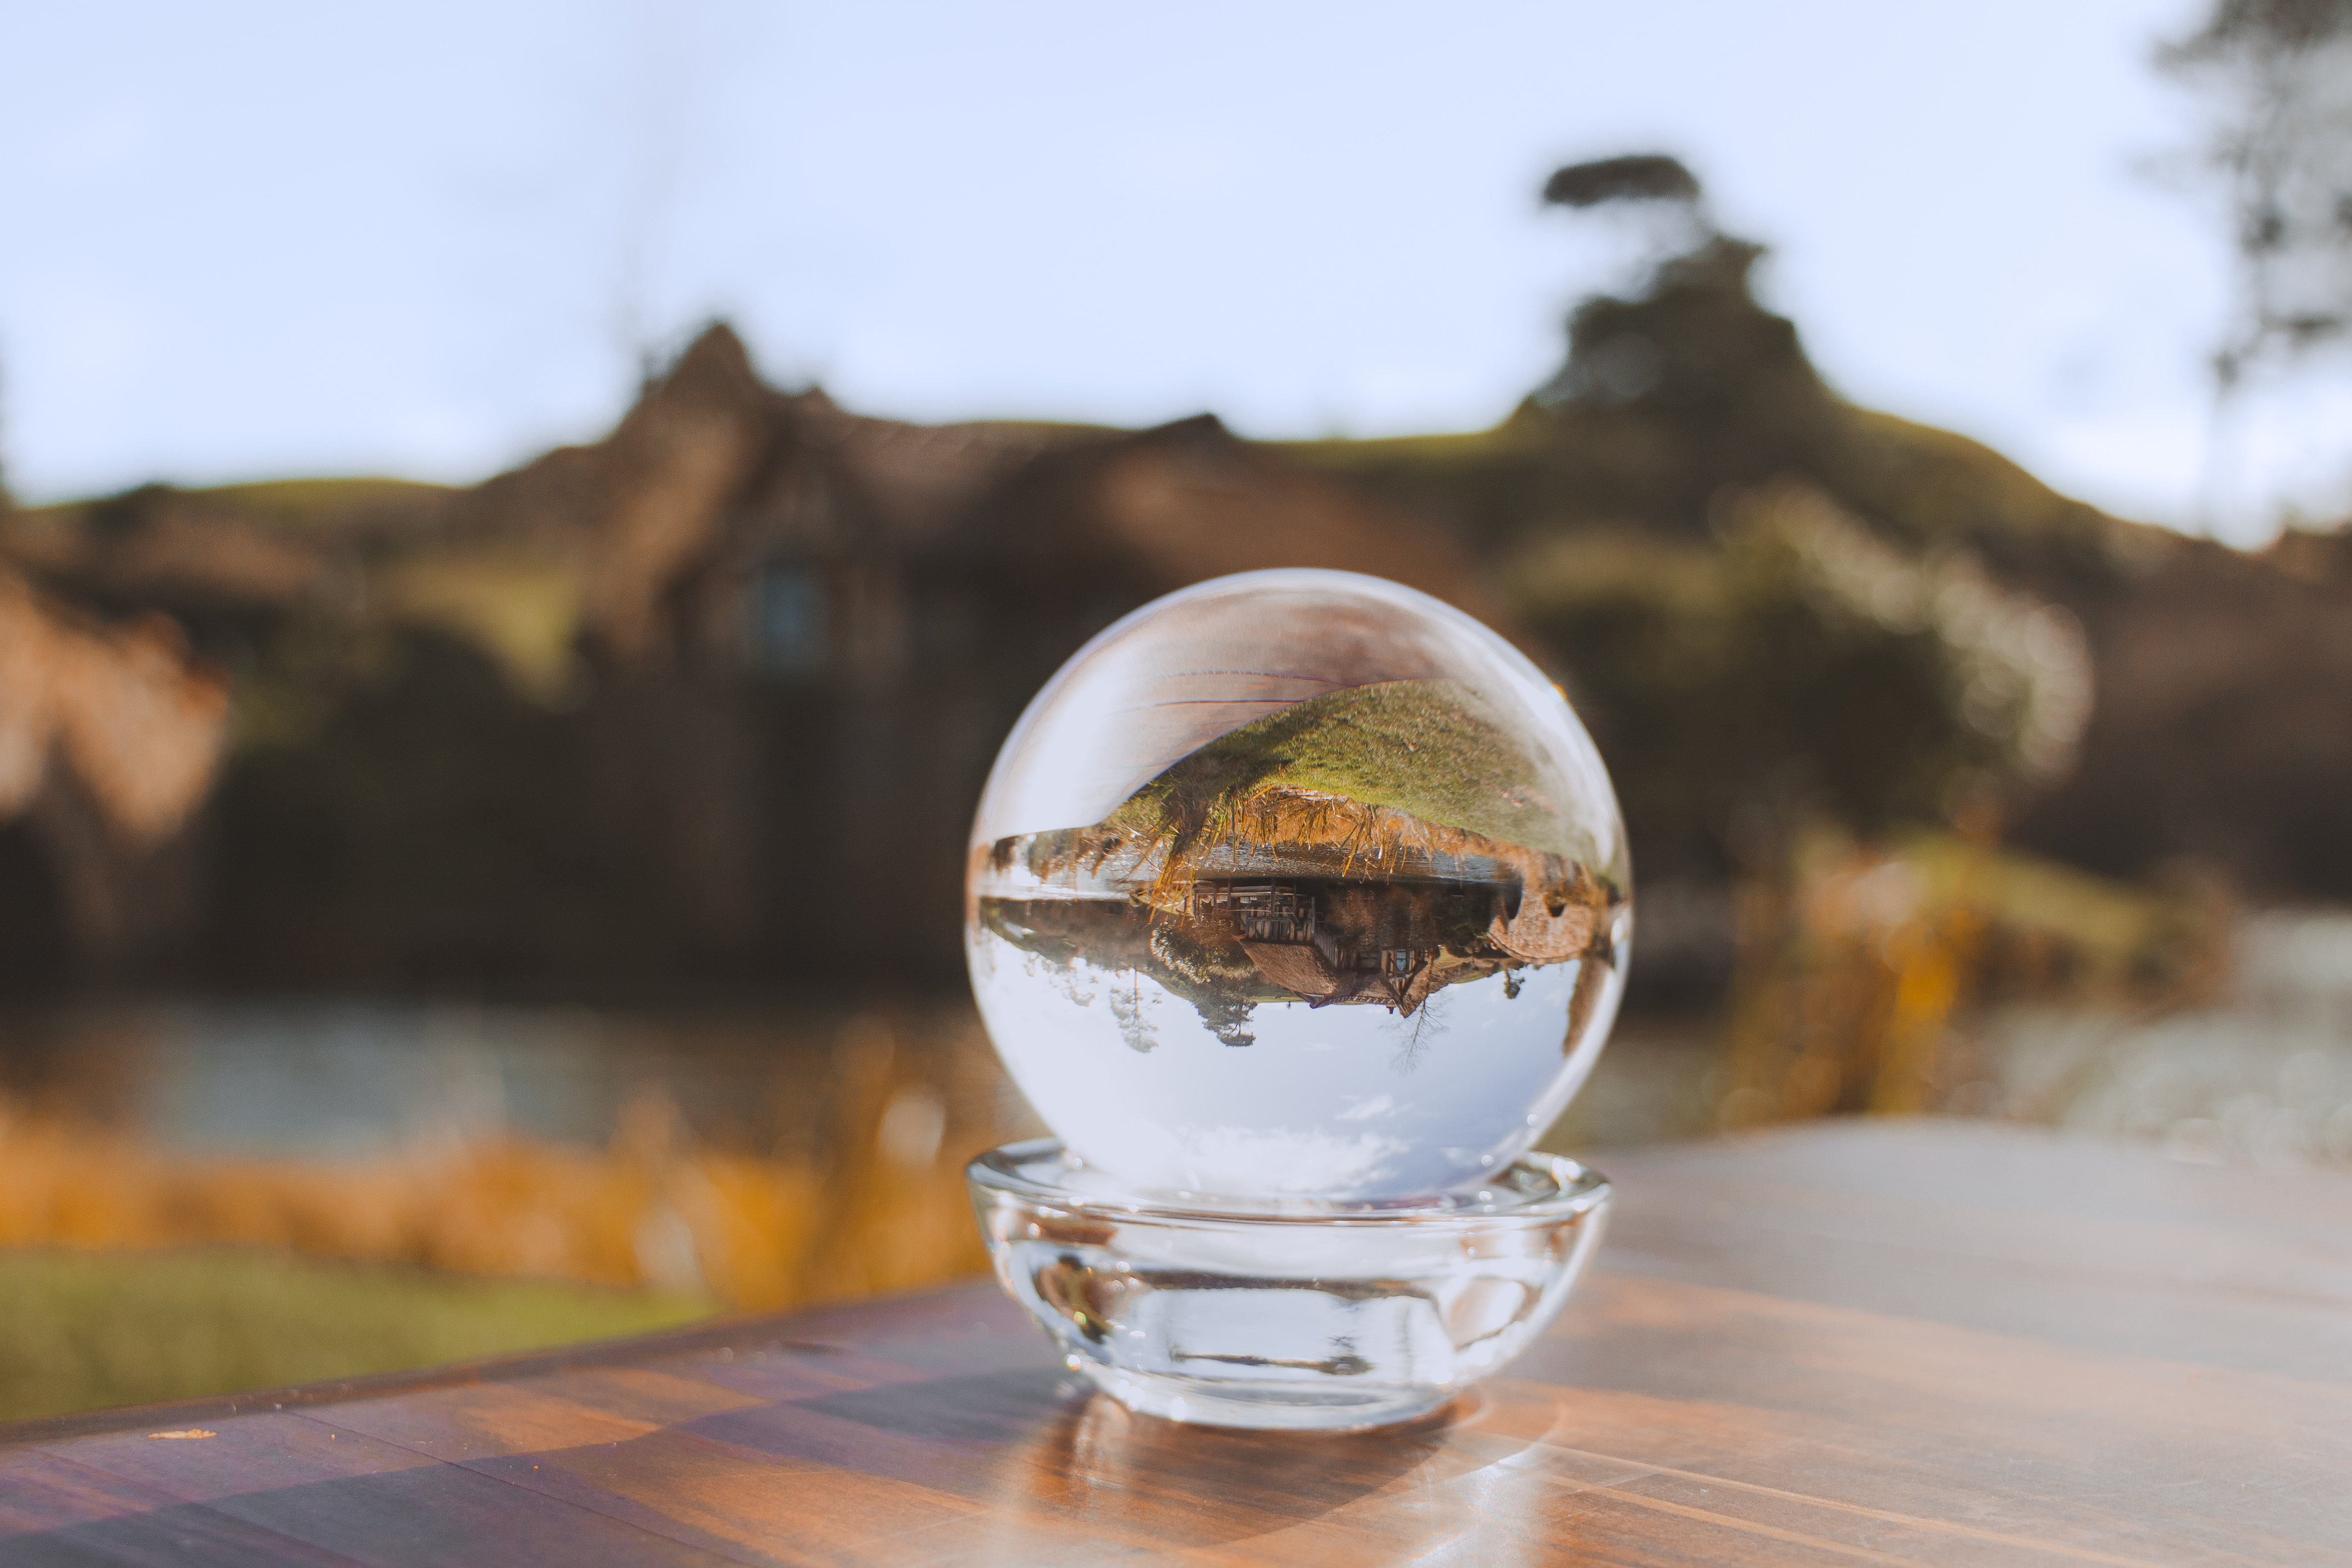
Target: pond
[360,1078]
[2265,1074]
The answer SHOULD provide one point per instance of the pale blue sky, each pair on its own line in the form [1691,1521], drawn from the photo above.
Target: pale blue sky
[244,240]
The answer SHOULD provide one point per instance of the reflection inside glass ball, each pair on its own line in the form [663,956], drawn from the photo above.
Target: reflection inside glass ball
[1299,883]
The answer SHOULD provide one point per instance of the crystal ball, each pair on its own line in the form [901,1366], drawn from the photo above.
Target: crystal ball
[1299,884]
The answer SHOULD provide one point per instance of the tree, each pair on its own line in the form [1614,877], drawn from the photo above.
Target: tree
[2277,76]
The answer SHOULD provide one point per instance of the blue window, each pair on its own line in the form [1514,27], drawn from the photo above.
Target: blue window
[791,630]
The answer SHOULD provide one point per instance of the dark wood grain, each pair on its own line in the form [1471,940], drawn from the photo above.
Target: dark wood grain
[1908,1342]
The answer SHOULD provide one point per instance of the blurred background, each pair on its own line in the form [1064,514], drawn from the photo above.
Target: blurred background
[524,527]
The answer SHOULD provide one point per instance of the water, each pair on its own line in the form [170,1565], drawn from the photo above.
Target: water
[359,1078]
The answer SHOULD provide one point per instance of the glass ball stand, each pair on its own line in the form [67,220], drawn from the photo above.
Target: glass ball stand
[1300,1314]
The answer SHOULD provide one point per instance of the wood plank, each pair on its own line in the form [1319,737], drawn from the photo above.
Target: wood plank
[2079,1242]
[1905,1343]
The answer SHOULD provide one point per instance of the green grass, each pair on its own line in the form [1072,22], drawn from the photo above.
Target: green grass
[1447,449]
[1426,747]
[80,1331]
[292,504]
[301,503]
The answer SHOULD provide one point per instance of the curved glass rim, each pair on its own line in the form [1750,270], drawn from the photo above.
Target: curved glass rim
[1532,1187]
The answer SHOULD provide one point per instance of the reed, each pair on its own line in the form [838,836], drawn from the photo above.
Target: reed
[876,1201]
[1864,968]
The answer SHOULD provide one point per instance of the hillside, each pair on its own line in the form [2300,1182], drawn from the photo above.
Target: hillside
[573,725]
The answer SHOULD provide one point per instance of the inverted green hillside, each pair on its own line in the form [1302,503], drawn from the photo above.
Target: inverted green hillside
[1429,747]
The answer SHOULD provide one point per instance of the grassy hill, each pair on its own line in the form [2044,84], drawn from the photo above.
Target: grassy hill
[1429,747]
[295,506]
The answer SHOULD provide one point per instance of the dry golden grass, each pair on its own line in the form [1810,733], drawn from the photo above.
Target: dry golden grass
[1860,967]
[879,1204]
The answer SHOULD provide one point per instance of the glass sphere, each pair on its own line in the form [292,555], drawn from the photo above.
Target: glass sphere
[1299,884]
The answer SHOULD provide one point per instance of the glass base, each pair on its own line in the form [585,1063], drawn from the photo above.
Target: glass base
[1299,1314]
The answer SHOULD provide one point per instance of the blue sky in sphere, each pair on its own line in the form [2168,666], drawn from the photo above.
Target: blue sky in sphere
[252,240]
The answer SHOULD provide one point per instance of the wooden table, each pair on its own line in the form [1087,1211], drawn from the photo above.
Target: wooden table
[1880,1343]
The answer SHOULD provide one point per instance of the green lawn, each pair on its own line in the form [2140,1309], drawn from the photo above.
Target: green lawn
[1429,748]
[83,1330]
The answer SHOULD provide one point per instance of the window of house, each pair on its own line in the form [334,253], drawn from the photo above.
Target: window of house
[790,629]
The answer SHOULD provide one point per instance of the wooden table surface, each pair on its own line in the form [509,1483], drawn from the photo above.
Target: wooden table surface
[1882,1342]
